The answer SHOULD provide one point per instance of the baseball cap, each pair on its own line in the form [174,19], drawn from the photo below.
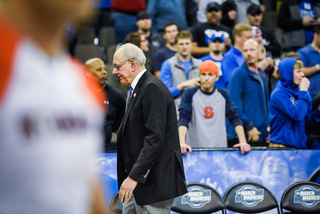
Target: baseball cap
[209,66]
[256,31]
[254,9]
[213,6]
[217,35]
[143,15]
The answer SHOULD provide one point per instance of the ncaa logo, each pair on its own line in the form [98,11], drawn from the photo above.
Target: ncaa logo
[196,197]
[308,196]
[249,196]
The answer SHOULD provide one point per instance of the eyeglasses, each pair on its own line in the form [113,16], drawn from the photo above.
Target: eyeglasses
[121,64]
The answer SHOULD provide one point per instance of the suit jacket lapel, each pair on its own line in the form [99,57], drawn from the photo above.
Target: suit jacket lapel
[133,99]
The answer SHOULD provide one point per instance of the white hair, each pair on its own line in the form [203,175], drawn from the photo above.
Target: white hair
[89,61]
[131,51]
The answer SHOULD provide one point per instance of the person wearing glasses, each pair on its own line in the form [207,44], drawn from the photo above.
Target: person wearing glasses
[150,169]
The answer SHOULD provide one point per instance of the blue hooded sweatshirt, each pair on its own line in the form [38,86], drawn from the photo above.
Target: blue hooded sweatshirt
[290,108]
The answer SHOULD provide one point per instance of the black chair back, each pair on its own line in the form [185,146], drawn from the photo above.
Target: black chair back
[249,197]
[201,198]
[301,197]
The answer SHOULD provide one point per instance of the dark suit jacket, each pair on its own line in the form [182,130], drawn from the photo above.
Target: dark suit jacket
[148,143]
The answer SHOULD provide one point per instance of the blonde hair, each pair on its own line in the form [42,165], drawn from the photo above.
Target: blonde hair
[239,28]
[298,64]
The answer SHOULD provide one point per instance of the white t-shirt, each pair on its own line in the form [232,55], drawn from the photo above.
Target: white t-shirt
[49,130]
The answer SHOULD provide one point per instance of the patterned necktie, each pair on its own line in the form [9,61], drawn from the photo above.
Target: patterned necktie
[129,96]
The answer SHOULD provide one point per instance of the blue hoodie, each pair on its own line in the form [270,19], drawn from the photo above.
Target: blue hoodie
[290,108]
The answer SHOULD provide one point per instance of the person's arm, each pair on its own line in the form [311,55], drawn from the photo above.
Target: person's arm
[126,189]
[308,71]
[166,78]
[235,88]
[154,110]
[188,83]
[285,22]
[234,118]
[265,63]
[243,145]
[274,46]
[297,111]
[185,112]
[98,205]
[182,136]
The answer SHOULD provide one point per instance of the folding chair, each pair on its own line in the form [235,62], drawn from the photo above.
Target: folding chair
[249,197]
[201,198]
[83,52]
[85,35]
[107,36]
[315,176]
[301,197]
[115,204]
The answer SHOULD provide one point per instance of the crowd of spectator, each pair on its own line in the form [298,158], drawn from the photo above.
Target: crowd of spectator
[177,36]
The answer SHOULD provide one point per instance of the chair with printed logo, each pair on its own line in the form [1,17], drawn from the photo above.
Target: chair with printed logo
[315,176]
[116,205]
[249,197]
[201,198]
[301,197]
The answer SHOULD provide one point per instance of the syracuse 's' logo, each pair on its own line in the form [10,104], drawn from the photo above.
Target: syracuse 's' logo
[308,196]
[196,197]
[249,196]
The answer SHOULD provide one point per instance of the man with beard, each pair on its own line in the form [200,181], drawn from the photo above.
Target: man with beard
[217,47]
[116,102]
[249,91]
[203,112]
[202,32]
[233,58]
[269,40]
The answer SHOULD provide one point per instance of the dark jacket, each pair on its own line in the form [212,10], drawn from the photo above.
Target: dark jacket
[290,21]
[148,143]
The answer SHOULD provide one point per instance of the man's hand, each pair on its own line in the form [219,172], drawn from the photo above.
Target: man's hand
[304,84]
[253,134]
[266,63]
[185,148]
[126,189]
[307,21]
[244,147]
[189,83]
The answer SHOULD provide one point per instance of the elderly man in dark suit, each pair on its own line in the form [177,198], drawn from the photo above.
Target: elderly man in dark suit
[150,169]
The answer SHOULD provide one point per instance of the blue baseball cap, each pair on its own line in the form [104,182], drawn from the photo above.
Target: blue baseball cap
[217,35]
